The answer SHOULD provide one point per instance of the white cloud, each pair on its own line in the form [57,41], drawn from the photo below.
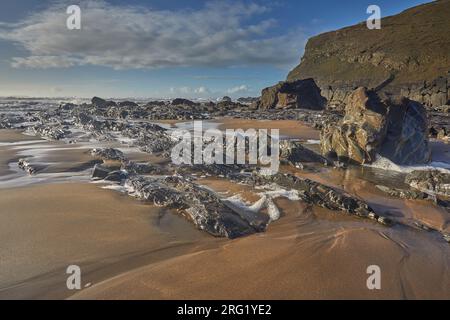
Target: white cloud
[239,89]
[218,34]
[201,91]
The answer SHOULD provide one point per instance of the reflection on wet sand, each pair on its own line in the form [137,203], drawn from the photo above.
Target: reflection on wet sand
[131,249]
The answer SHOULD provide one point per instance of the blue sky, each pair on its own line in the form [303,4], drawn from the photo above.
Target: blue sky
[163,49]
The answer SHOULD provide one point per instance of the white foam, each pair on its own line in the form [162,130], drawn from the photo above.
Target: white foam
[386,164]
[312,141]
[266,200]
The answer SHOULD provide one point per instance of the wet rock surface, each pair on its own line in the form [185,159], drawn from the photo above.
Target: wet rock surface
[26,166]
[108,154]
[202,206]
[318,194]
[432,181]
[295,154]
[397,130]
[300,94]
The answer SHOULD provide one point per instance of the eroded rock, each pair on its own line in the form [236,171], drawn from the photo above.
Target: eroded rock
[433,181]
[299,94]
[108,154]
[397,130]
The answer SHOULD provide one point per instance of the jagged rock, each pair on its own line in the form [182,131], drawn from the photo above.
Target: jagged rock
[295,154]
[183,102]
[247,100]
[318,194]
[108,154]
[156,142]
[396,130]
[232,171]
[202,206]
[67,106]
[27,167]
[128,104]
[140,168]
[52,132]
[300,94]
[434,182]
[226,99]
[404,194]
[102,103]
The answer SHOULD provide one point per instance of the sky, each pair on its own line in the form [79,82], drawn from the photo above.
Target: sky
[163,49]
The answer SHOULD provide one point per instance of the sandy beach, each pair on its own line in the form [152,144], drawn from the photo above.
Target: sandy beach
[129,249]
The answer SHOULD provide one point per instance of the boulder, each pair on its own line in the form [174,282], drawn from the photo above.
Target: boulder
[26,166]
[128,104]
[295,154]
[183,102]
[299,94]
[432,182]
[108,154]
[102,103]
[397,130]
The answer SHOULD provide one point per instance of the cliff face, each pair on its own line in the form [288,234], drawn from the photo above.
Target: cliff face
[409,56]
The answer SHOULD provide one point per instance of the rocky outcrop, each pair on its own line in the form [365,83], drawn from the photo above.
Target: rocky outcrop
[49,131]
[294,154]
[26,166]
[183,102]
[433,182]
[108,154]
[200,205]
[102,103]
[396,130]
[300,94]
[318,194]
[408,57]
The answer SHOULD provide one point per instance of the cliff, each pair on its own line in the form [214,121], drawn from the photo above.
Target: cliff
[408,56]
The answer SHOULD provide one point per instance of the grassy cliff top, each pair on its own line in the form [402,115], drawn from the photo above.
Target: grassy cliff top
[412,46]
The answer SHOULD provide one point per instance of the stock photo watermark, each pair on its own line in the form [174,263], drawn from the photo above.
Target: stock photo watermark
[73,22]
[73,281]
[374,20]
[235,146]
[374,280]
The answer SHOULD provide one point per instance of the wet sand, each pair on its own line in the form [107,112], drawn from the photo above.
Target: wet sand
[308,254]
[288,128]
[46,228]
[130,249]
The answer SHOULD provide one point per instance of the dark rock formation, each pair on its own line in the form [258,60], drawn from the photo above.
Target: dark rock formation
[183,102]
[202,206]
[247,100]
[434,182]
[102,103]
[108,154]
[396,130]
[295,154]
[128,104]
[26,166]
[404,194]
[300,94]
[134,168]
[49,131]
[408,57]
[318,194]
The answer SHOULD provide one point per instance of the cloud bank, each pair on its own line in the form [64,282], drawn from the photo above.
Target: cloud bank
[132,37]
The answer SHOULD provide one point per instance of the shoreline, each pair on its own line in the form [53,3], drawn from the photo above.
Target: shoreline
[130,249]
